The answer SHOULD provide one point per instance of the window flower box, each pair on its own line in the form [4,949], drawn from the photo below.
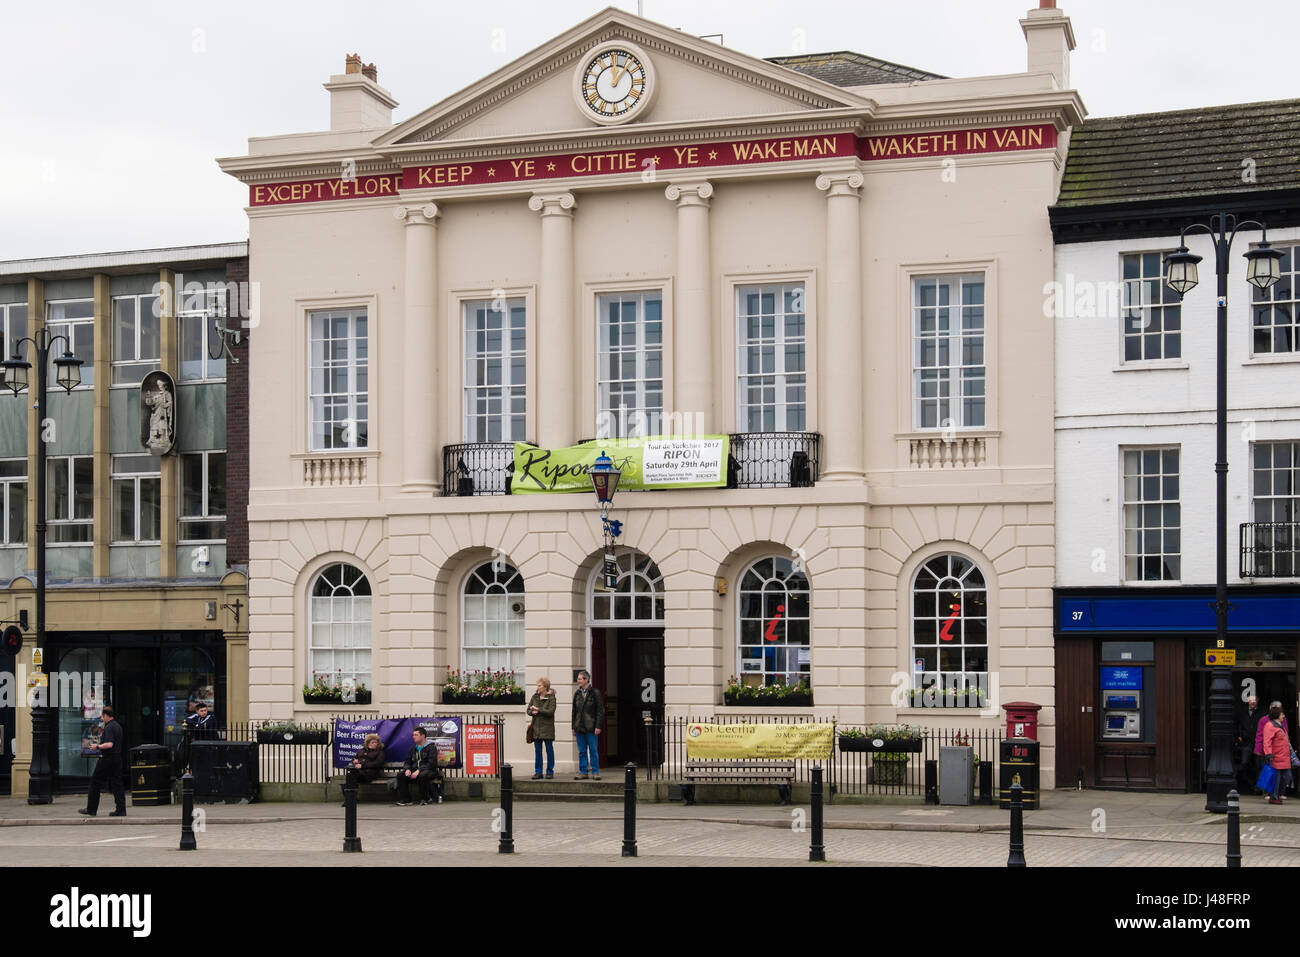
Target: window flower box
[766,696]
[363,697]
[889,739]
[473,697]
[490,688]
[290,733]
[327,689]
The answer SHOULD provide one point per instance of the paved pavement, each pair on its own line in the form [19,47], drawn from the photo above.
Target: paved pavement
[1074,828]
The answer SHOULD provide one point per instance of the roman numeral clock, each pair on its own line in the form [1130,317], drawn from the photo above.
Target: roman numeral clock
[614,83]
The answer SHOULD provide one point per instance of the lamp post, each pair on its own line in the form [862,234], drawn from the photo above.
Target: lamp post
[40,786]
[1262,270]
[604,479]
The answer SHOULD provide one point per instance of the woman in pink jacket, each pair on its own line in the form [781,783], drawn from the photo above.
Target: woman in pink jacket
[1277,747]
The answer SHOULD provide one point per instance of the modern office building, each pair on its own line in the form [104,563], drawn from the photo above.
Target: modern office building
[1135,429]
[833,262]
[146,604]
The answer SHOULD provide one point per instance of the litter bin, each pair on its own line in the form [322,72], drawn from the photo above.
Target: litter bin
[956,769]
[1019,765]
[151,775]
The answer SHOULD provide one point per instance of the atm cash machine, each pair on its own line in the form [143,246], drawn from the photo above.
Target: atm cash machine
[1121,703]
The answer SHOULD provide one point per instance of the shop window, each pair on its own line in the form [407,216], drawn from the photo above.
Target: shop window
[774,624]
[79,707]
[1276,310]
[137,499]
[203,497]
[13,501]
[70,499]
[1152,311]
[948,374]
[496,355]
[340,624]
[1152,516]
[137,343]
[629,365]
[771,361]
[73,319]
[950,634]
[339,380]
[492,620]
[13,327]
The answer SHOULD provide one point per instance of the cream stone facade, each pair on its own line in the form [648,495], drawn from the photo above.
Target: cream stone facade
[853,197]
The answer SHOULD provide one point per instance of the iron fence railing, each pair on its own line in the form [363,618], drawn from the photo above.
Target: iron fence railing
[477,468]
[774,460]
[1270,549]
[881,773]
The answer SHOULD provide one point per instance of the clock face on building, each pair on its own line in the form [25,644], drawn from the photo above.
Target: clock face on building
[614,83]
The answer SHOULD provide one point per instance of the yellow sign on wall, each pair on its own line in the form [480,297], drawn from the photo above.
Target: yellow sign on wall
[789,741]
[1221,656]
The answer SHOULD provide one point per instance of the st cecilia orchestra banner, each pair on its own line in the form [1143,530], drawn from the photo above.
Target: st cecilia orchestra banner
[648,162]
[810,742]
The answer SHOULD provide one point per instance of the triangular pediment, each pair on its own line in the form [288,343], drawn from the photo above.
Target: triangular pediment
[697,81]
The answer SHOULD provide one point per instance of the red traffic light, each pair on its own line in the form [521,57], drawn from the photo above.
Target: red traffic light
[13,640]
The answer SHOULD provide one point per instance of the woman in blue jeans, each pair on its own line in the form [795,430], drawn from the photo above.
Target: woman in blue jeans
[542,707]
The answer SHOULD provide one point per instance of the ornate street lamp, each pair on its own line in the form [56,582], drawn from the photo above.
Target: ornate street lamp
[1262,270]
[604,479]
[67,373]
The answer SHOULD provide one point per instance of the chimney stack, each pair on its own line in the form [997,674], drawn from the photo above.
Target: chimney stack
[357,101]
[1049,38]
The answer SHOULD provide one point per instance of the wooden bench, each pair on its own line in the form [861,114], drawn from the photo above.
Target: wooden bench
[741,772]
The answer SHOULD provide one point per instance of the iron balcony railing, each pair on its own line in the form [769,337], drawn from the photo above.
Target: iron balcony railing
[774,460]
[477,468]
[1270,550]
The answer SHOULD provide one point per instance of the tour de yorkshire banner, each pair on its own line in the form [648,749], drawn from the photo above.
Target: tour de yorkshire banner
[655,462]
[648,162]
[790,741]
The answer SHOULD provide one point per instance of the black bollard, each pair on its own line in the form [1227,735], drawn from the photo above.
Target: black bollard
[629,810]
[187,813]
[817,851]
[507,844]
[351,843]
[1017,856]
[1234,828]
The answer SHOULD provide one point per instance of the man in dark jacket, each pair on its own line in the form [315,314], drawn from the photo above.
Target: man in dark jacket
[1246,762]
[420,768]
[588,716]
[108,769]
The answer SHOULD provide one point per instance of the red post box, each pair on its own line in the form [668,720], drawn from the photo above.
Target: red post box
[1022,719]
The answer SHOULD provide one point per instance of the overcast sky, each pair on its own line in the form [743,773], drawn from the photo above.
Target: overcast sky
[112,113]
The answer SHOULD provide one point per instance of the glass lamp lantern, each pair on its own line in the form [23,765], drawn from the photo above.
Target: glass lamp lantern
[15,373]
[604,479]
[1263,265]
[1180,271]
[67,371]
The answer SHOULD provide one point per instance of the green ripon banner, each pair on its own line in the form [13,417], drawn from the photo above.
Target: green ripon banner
[654,462]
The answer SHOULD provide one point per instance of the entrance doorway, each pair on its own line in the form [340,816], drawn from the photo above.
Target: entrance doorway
[627,658]
[1268,685]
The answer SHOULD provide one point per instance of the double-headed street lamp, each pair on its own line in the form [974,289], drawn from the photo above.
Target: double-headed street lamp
[67,373]
[1262,271]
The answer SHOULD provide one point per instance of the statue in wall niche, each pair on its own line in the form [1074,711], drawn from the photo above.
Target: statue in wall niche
[158,413]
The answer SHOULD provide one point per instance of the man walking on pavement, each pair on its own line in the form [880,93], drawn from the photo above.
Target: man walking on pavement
[107,768]
[588,716]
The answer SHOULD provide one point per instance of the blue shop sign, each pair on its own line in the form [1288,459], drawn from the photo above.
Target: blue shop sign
[1177,613]
[1121,679]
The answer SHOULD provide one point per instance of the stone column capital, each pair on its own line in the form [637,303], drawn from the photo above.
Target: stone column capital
[552,204]
[426,215]
[845,183]
[690,194]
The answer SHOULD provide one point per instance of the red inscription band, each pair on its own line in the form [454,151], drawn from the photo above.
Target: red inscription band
[659,159]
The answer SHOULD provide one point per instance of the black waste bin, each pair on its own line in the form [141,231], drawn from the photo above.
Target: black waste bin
[1019,765]
[151,775]
[224,770]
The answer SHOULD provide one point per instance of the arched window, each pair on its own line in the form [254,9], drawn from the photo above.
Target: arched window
[492,620]
[950,637]
[638,596]
[773,609]
[339,635]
